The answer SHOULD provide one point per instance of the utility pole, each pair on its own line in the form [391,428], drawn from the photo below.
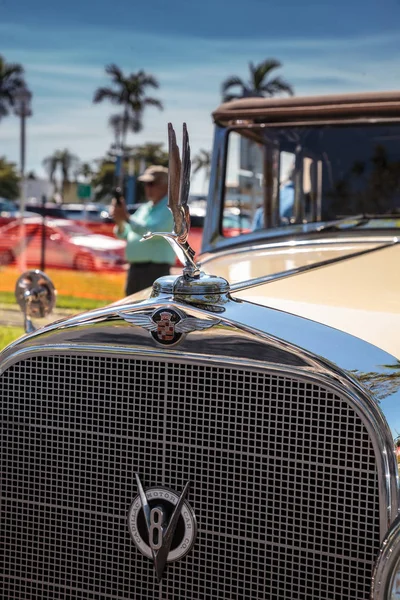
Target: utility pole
[23,110]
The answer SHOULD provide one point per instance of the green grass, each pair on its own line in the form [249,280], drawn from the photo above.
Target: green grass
[79,303]
[9,334]
[61,302]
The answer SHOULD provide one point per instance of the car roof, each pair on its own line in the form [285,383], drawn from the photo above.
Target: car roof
[305,108]
[40,204]
[99,207]
[49,221]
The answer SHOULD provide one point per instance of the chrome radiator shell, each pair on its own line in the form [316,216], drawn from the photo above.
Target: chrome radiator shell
[176,425]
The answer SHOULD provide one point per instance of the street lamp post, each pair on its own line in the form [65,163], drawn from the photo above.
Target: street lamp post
[23,110]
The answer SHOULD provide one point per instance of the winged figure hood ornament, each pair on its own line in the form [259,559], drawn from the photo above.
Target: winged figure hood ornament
[178,196]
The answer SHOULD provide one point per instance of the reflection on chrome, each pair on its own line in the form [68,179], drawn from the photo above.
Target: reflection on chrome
[36,296]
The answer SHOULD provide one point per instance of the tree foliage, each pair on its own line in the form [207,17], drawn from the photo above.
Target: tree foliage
[130,93]
[63,162]
[104,180]
[11,81]
[260,83]
[85,170]
[9,180]
[149,154]
[202,161]
[142,155]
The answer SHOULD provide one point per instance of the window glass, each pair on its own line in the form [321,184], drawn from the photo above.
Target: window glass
[278,176]
[244,184]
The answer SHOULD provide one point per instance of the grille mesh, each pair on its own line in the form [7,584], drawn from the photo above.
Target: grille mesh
[284,481]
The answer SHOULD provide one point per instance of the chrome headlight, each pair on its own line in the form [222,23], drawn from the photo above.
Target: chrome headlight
[386,579]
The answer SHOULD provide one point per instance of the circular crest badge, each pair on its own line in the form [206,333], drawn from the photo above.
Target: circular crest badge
[167,332]
[150,538]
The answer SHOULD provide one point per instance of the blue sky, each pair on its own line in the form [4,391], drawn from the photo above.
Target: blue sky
[190,47]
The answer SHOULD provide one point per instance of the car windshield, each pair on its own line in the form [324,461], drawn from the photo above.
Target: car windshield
[89,214]
[72,230]
[48,211]
[73,214]
[7,206]
[316,173]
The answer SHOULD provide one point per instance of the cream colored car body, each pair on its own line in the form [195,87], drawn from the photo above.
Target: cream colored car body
[359,295]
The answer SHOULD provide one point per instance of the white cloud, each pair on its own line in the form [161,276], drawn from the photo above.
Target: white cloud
[72,70]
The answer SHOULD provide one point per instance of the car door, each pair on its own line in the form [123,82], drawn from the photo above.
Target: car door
[59,250]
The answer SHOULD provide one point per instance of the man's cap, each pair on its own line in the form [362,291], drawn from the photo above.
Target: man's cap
[154,173]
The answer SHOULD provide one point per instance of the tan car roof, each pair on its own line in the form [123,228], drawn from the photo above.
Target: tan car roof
[310,108]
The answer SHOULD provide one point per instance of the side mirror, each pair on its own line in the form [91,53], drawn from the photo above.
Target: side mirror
[36,296]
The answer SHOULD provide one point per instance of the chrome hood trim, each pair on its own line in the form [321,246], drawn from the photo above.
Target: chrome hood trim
[309,341]
[299,243]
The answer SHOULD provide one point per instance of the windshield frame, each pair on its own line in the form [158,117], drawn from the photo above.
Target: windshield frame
[213,238]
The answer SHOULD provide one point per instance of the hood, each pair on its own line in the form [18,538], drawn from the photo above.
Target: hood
[359,295]
[98,242]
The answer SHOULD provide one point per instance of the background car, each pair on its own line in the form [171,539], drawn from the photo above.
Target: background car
[93,213]
[49,209]
[95,217]
[8,211]
[7,207]
[66,244]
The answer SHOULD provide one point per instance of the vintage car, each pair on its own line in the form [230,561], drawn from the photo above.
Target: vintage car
[230,433]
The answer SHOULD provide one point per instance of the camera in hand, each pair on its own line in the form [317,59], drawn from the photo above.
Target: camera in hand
[118,195]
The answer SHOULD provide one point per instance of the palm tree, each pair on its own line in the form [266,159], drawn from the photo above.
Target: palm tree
[103,180]
[9,179]
[11,81]
[63,160]
[129,92]
[86,171]
[150,154]
[260,83]
[202,161]
[121,124]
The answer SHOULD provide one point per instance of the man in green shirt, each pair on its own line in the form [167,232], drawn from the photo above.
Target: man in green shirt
[152,258]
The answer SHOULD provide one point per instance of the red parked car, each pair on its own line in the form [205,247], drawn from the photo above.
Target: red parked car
[67,244]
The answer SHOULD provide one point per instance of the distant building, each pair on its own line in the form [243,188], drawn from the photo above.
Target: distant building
[36,188]
[71,193]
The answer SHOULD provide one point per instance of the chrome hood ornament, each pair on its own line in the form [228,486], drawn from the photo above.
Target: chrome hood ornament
[178,196]
[193,286]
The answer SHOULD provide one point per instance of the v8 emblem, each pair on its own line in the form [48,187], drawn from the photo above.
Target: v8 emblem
[160,519]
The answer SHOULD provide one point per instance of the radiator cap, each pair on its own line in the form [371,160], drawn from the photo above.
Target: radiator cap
[206,289]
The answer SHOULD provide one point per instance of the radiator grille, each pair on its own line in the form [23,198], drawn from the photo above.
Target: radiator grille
[284,481]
